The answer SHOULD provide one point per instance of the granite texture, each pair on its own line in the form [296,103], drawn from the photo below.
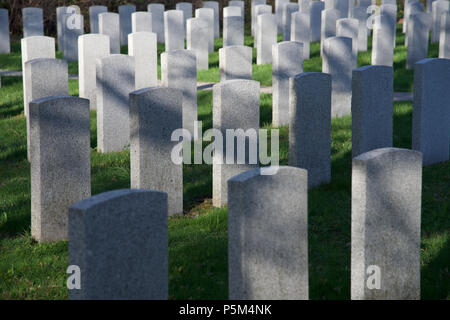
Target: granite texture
[235,62]
[233,30]
[109,25]
[301,31]
[215,6]
[144,48]
[267,37]
[316,19]
[207,14]
[328,27]
[174,30]
[141,21]
[197,31]
[33,22]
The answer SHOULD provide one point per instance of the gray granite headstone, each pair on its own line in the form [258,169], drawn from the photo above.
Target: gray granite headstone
[342,6]
[301,31]
[5,45]
[386,205]
[338,62]
[304,6]
[316,19]
[233,31]
[268,235]
[119,240]
[60,163]
[360,14]
[186,7]
[438,8]
[253,15]
[197,31]
[288,9]
[125,12]
[279,13]
[179,71]
[207,14]
[60,13]
[391,12]
[143,47]
[235,62]
[73,29]
[328,27]
[33,22]
[94,11]
[91,47]
[141,21]
[109,25]
[215,6]
[348,27]
[431,111]
[372,118]
[157,10]
[259,10]
[266,37]
[238,3]
[382,45]
[174,30]
[155,113]
[115,81]
[236,105]
[418,35]
[287,62]
[232,11]
[310,125]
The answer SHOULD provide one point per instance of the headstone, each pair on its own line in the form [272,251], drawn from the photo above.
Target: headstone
[268,253]
[386,204]
[235,62]
[288,9]
[232,11]
[44,77]
[259,10]
[94,11]
[429,5]
[5,44]
[310,125]
[382,44]
[174,30]
[287,62]
[338,62]
[372,118]
[431,112]
[154,114]
[253,16]
[316,19]
[109,25]
[300,31]
[33,48]
[439,7]
[71,34]
[267,37]
[125,12]
[348,27]
[418,32]
[233,31]
[157,10]
[215,6]
[33,22]
[115,81]
[304,6]
[109,240]
[235,106]
[342,7]
[444,39]
[207,14]
[90,47]
[279,13]
[391,12]
[186,7]
[60,20]
[407,12]
[60,163]
[238,3]
[197,31]
[414,7]
[141,21]
[328,27]
[360,14]
[143,47]
[179,71]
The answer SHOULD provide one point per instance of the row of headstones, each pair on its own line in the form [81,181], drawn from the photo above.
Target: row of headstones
[118,241]
[60,131]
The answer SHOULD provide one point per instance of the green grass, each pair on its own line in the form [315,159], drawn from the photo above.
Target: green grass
[198,241]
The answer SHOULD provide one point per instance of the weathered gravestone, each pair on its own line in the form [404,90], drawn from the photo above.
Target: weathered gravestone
[386,204]
[90,47]
[155,113]
[310,125]
[338,62]
[60,163]
[431,111]
[179,71]
[44,77]
[301,31]
[267,37]
[174,30]
[125,12]
[233,31]
[157,11]
[33,48]
[5,44]
[141,21]
[235,62]
[197,31]
[109,25]
[143,47]
[94,11]
[115,81]
[33,22]
[372,118]
[267,252]
[287,62]
[119,242]
[236,108]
